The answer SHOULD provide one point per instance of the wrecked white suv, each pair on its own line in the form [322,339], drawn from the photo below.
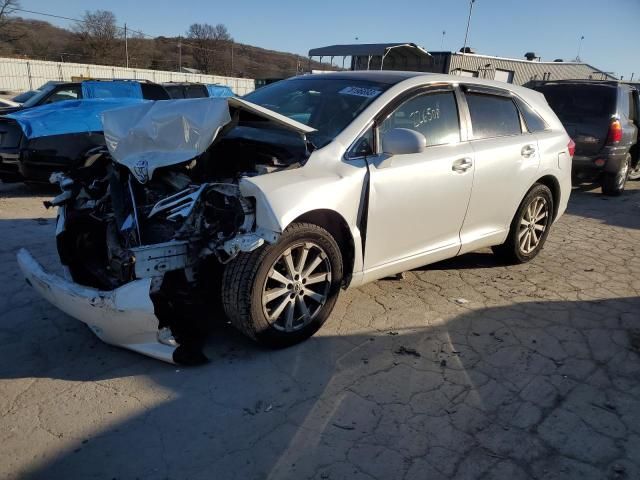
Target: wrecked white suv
[263,209]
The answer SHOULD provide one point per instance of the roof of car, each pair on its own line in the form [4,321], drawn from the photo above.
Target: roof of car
[383,76]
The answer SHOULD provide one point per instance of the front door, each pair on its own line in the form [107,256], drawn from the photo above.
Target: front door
[417,202]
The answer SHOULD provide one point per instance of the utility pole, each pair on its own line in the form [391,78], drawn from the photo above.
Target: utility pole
[126,45]
[579,48]
[232,74]
[466,35]
[442,41]
[180,54]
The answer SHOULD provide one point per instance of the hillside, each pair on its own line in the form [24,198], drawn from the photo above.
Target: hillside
[28,38]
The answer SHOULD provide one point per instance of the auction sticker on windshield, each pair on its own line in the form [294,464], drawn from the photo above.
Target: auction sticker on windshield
[360,91]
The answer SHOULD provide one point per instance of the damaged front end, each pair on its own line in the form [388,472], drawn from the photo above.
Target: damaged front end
[145,229]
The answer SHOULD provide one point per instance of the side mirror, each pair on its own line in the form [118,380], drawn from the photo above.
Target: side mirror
[401,141]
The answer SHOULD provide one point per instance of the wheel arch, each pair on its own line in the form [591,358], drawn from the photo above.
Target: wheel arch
[635,154]
[337,226]
[554,185]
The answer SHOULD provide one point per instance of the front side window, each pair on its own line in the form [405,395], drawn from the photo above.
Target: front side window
[364,146]
[71,93]
[435,115]
[493,116]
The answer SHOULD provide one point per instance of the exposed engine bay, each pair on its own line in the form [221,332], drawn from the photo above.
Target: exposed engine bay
[125,217]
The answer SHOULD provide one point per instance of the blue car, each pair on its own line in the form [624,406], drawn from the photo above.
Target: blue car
[58,132]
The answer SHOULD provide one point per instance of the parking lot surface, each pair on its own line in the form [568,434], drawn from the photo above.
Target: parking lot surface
[465,369]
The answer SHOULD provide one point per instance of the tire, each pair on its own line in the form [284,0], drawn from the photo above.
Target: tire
[513,250]
[250,278]
[634,172]
[613,182]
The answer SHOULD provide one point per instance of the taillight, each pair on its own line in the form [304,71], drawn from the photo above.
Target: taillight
[571,147]
[615,132]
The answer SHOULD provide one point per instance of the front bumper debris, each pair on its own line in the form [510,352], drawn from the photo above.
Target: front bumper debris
[123,317]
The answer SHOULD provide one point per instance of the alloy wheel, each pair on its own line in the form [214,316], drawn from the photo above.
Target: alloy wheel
[297,287]
[533,224]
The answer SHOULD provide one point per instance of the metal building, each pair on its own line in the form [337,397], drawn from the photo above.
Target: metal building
[410,56]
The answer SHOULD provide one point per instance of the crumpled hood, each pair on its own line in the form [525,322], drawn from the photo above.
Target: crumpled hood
[157,134]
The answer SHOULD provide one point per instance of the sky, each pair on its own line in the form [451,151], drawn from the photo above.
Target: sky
[507,28]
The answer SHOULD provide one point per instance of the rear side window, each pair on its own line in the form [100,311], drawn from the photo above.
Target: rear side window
[633,111]
[572,102]
[195,91]
[435,115]
[534,122]
[175,91]
[493,116]
[152,91]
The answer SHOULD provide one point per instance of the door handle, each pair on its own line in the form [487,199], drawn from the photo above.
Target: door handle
[462,165]
[528,151]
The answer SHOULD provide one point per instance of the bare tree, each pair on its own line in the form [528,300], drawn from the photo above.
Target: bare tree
[207,44]
[100,34]
[7,8]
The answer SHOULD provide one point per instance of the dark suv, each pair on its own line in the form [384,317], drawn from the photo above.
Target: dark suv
[602,119]
[33,158]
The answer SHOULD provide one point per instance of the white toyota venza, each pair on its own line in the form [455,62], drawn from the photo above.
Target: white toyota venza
[261,209]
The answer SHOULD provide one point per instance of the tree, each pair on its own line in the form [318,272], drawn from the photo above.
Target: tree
[7,8]
[99,33]
[207,44]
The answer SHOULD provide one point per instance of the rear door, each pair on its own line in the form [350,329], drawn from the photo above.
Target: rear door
[506,162]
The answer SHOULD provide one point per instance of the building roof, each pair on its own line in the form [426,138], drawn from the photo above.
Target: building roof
[367,49]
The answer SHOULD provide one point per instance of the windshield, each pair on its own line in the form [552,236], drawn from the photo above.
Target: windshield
[326,104]
[40,93]
[576,101]
[24,96]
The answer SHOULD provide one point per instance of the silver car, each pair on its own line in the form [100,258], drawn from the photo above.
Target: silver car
[262,209]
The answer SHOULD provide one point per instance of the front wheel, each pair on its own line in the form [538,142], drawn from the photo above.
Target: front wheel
[613,182]
[529,228]
[282,294]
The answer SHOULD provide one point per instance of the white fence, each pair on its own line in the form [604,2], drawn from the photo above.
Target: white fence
[18,75]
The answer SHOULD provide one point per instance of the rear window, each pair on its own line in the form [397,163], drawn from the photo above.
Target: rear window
[575,101]
[534,122]
[493,116]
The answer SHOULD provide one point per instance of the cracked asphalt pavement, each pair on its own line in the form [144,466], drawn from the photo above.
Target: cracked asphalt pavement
[465,369]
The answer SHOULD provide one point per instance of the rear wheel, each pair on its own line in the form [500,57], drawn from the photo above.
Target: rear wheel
[634,172]
[529,227]
[613,182]
[281,294]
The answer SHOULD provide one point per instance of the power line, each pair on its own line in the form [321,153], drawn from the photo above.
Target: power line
[123,28]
